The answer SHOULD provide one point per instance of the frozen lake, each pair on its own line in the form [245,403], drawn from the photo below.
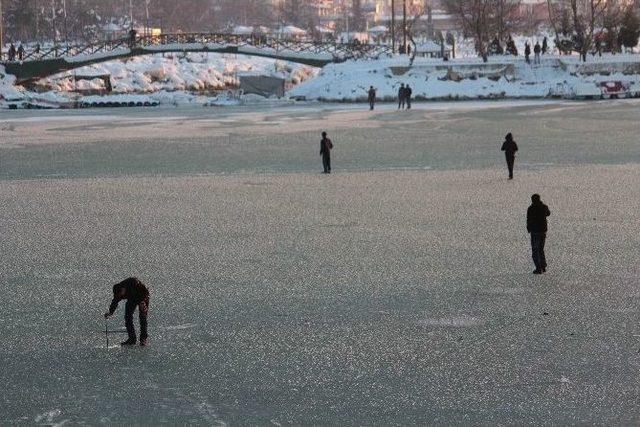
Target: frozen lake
[396,291]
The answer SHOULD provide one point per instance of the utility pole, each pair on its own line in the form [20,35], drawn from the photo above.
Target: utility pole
[66,30]
[131,12]
[346,20]
[404,26]
[393,26]
[147,29]
[54,26]
[37,16]
[1,30]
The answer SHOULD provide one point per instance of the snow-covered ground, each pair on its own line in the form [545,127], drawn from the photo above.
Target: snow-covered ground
[396,291]
[469,78]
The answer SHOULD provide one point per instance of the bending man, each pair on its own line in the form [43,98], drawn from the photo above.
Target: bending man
[137,295]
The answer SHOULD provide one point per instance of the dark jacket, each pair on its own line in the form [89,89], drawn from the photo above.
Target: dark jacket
[537,218]
[408,92]
[135,291]
[402,93]
[372,94]
[537,48]
[509,148]
[325,146]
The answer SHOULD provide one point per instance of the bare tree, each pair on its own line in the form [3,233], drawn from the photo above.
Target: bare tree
[585,17]
[476,18]
[507,17]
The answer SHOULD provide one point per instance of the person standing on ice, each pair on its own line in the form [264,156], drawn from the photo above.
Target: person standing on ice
[137,295]
[527,52]
[372,98]
[407,95]
[401,96]
[510,147]
[537,226]
[325,151]
[536,51]
[545,46]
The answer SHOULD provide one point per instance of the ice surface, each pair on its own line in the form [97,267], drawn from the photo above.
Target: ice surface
[396,291]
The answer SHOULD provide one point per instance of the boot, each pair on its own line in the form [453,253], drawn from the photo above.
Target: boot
[130,341]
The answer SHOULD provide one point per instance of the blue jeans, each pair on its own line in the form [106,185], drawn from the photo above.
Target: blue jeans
[537,250]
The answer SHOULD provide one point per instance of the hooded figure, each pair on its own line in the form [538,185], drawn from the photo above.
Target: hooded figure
[510,147]
[537,226]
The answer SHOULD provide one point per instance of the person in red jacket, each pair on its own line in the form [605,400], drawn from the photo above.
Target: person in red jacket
[137,295]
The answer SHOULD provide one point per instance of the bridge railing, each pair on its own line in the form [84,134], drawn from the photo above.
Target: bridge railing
[339,51]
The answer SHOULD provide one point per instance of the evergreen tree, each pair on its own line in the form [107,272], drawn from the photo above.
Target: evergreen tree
[630,29]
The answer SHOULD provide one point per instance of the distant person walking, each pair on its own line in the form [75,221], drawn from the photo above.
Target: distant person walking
[137,295]
[527,52]
[407,94]
[401,97]
[536,51]
[537,226]
[372,98]
[545,46]
[20,52]
[325,151]
[133,35]
[510,147]
[12,52]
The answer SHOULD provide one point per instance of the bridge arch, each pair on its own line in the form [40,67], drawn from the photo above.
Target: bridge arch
[40,63]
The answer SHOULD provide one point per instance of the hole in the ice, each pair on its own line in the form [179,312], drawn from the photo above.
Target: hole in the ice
[452,322]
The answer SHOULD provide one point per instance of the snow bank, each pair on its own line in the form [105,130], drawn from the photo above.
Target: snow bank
[468,78]
[9,93]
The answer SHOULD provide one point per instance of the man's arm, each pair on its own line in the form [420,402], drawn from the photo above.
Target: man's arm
[112,307]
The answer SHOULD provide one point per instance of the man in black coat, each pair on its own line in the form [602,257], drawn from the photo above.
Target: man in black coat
[372,97]
[536,51]
[401,96]
[137,295]
[537,226]
[325,151]
[407,95]
[510,147]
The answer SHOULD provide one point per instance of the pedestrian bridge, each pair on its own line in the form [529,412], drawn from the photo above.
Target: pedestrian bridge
[39,62]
